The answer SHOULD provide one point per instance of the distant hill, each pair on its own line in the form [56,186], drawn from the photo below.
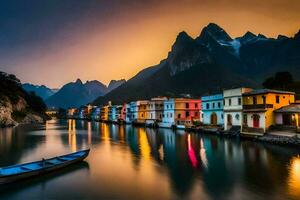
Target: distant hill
[76,93]
[210,62]
[40,90]
[113,84]
[17,105]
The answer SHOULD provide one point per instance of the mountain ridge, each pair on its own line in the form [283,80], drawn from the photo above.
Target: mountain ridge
[219,61]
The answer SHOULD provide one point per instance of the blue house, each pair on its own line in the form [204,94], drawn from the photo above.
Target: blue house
[212,109]
[96,113]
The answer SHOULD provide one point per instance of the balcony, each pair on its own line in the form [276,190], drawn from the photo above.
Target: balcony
[257,106]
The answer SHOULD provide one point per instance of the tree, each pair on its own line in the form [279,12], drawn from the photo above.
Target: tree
[280,81]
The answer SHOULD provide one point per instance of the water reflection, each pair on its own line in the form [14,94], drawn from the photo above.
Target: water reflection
[177,164]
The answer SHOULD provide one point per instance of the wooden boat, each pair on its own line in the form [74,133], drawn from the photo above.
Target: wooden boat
[22,171]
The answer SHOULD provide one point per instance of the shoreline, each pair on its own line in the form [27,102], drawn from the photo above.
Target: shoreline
[293,141]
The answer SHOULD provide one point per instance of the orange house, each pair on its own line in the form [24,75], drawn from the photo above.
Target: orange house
[187,112]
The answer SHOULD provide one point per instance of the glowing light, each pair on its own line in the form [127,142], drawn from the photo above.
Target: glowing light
[294,177]
[72,135]
[144,144]
[191,153]
[89,133]
[203,154]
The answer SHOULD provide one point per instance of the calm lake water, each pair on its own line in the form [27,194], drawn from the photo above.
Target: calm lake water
[139,163]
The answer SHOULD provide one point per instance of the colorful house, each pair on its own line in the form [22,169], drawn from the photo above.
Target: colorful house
[288,117]
[187,112]
[168,117]
[127,114]
[138,111]
[233,107]
[181,112]
[112,113]
[155,109]
[95,114]
[259,106]
[71,112]
[212,110]
[104,113]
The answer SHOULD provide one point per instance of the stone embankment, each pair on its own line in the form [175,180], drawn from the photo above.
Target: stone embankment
[281,140]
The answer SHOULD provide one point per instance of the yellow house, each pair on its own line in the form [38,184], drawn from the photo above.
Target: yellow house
[143,112]
[258,109]
[104,113]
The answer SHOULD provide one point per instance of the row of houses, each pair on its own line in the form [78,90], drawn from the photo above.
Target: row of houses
[250,111]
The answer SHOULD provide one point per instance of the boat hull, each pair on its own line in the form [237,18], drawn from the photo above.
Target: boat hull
[25,175]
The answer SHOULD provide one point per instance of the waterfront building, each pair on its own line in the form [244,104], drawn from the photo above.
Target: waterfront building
[95,113]
[82,113]
[52,112]
[112,113]
[212,110]
[128,114]
[138,111]
[181,112]
[259,106]
[187,112]
[71,112]
[233,107]
[288,117]
[154,110]
[104,113]
[168,117]
[123,113]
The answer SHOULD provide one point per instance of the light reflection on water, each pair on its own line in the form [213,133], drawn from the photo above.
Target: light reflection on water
[139,163]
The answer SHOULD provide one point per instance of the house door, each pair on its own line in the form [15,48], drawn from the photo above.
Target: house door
[255,121]
[213,119]
[229,120]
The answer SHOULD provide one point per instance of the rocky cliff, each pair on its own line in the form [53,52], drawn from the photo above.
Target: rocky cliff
[18,106]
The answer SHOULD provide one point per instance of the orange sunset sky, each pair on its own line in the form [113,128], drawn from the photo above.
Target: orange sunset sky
[55,42]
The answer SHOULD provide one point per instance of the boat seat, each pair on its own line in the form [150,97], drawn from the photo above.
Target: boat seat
[62,159]
[24,168]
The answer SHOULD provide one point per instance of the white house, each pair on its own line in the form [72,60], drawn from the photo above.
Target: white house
[155,109]
[168,117]
[233,107]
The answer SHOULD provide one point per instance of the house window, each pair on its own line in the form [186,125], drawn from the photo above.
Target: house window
[237,117]
[254,100]
[264,99]
[277,99]
[167,106]
[196,105]
[207,106]
[222,116]
[171,115]
[229,102]
[240,101]
[196,114]
[179,116]
[151,115]
[202,115]
[186,105]
[160,116]
[187,114]
[219,104]
[213,105]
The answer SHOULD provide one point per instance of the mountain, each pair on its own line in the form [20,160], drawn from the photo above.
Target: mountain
[113,84]
[210,62]
[76,93]
[40,90]
[17,105]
